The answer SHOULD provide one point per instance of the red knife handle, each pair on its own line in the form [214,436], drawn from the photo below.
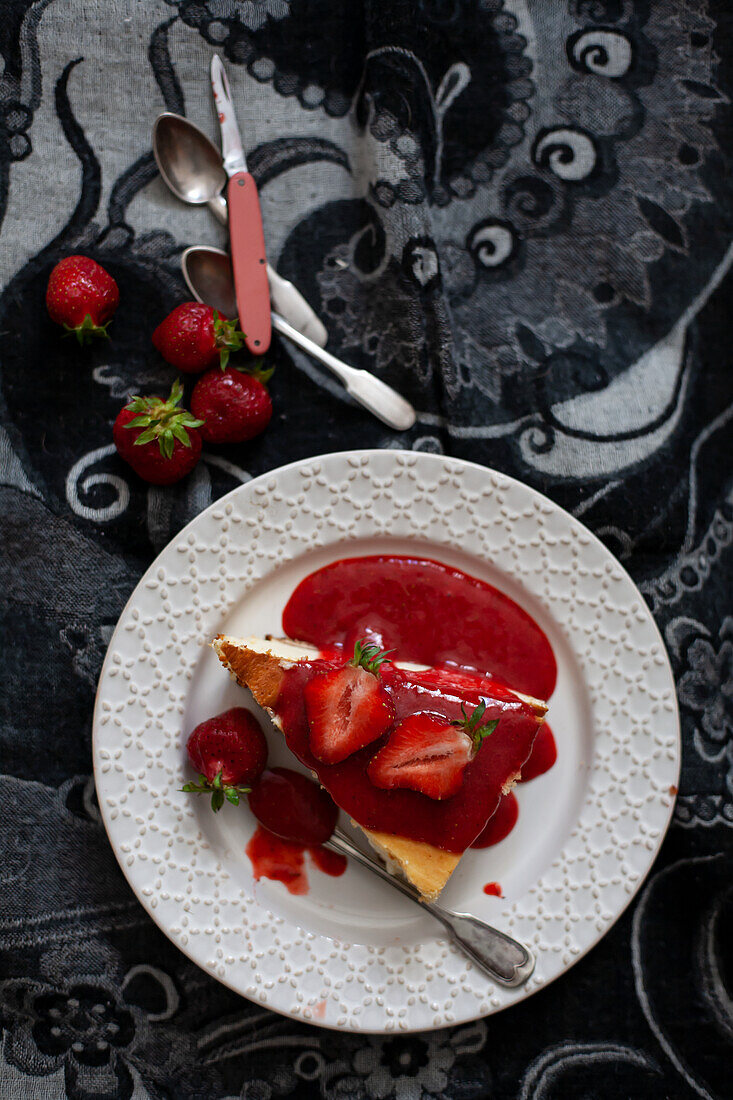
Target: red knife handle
[249,262]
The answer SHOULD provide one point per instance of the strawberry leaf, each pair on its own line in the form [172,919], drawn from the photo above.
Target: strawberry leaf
[87,330]
[256,370]
[162,420]
[480,735]
[167,444]
[147,436]
[228,337]
[217,789]
[470,725]
[181,434]
[369,656]
[137,404]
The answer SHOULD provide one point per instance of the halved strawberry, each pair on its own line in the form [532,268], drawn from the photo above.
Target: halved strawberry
[427,753]
[347,708]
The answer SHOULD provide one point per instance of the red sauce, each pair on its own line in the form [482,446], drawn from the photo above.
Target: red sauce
[293,806]
[278,859]
[283,860]
[428,613]
[500,824]
[542,756]
[331,863]
[494,889]
[451,824]
[304,816]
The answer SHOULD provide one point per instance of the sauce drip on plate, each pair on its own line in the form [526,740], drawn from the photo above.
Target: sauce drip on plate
[297,807]
[543,755]
[284,860]
[499,824]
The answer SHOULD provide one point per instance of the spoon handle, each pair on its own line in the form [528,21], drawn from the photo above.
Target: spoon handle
[218,207]
[289,302]
[286,298]
[504,959]
[370,391]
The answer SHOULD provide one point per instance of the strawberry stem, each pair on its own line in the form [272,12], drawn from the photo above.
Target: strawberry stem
[256,370]
[162,420]
[218,790]
[369,656]
[470,724]
[228,338]
[87,330]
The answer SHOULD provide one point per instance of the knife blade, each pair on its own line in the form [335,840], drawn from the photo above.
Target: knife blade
[246,234]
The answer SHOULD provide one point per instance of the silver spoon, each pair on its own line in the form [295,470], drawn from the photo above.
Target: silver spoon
[208,275]
[501,957]
[191,166]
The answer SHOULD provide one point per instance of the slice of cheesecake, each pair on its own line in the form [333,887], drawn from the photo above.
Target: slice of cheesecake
[276,672]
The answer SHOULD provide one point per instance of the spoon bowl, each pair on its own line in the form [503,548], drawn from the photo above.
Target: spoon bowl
[187,160]
[209,277]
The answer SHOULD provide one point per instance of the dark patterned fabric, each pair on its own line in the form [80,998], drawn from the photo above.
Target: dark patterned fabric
[521,215]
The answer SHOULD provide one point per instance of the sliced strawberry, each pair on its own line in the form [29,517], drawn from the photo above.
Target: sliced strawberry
[347,708]
[429,754]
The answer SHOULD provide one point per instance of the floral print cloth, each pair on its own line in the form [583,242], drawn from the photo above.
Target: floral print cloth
[521,215]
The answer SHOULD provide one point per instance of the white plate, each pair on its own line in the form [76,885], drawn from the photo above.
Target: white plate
[352,953]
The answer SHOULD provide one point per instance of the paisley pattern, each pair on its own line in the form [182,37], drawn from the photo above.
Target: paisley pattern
[520,214]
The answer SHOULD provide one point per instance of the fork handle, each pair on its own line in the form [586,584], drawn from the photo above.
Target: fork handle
[504,959]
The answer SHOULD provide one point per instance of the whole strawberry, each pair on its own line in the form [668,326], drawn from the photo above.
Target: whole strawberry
[82,297]
[159,439]
[230,753]
[194,337]
[234,404]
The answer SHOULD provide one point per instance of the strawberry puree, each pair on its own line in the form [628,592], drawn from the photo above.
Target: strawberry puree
[428,613]
[278,859]
[283,860]
[500,824]
[331,863]
[543,755]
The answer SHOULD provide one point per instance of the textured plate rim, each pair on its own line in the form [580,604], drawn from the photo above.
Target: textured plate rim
[505,998]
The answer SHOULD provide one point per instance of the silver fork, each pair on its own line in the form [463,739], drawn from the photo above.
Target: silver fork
[505,960]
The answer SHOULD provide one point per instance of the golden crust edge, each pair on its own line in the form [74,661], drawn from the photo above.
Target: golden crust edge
[260,672]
